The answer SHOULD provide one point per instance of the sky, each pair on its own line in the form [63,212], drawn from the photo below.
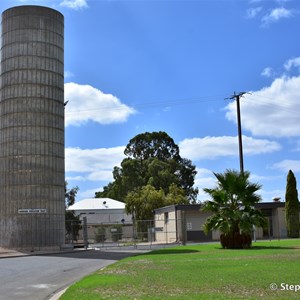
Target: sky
[172,65]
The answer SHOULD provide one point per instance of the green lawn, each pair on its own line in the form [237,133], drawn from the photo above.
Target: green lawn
[199,272]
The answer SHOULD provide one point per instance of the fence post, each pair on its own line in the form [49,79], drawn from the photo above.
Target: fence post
[166,232]
[134,232]
[183,226]
[85,235]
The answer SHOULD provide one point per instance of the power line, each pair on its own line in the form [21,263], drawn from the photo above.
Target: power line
[201,99]
[175,102]
[272,104]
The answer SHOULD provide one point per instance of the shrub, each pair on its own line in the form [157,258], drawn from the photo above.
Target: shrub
[100,234]
[116,233]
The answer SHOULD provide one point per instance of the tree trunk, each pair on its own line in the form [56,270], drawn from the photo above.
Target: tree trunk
[235,240]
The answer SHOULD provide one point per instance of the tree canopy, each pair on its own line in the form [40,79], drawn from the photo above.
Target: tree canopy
[292,206]
[152,144]
[143,201]
[152,160]
[232,204]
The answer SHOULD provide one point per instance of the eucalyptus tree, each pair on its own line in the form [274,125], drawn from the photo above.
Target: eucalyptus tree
[152,158]
[232,207]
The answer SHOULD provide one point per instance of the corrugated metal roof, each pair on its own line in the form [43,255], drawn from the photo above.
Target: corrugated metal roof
[97,203]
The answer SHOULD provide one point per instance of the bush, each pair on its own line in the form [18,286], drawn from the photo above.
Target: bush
[116,233]
[100,234]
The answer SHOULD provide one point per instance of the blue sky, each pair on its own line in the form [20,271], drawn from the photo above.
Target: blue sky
[150,65]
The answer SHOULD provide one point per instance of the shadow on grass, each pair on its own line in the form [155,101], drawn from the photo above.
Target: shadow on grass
[258,248]
[273,248]
[261,248]
[173,251]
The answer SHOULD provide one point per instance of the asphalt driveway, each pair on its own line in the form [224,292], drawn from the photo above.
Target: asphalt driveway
[40,277]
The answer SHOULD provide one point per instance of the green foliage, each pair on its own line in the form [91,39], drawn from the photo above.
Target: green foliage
[152,159]
[292,206]
[142,201]
[100,234]
[70,195]
[72,222]
[152,144]
[232,204]
[116,232]
[176,195]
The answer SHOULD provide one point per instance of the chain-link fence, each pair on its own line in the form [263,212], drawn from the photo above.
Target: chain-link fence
[145,234]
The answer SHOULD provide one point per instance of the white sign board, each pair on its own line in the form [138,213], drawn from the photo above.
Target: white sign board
[189,226]
[32,211]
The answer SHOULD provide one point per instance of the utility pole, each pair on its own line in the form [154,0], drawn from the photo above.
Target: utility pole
[237,98]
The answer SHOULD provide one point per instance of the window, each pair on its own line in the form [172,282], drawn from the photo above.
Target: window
[166,217]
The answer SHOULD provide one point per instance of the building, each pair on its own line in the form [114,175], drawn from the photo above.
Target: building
[275,213]
[105,218]
[32,169]
[180,223]
[101,211]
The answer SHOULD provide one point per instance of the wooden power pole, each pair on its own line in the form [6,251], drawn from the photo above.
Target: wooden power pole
[237,97]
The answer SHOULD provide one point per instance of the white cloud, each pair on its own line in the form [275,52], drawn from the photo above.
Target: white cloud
[94,164]
[101,175]
[98,164]
[297,147]
[253,12]
[87,103]
[267,72]
[286,165]
[292,63]
[275,15]
[204,179]
[76,178]
[255,177]
[68,74]
[272,111]
[88,193]
[268,195]
[74,4]
[214,147]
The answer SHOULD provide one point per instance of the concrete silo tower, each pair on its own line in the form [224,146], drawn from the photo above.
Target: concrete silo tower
[32,170]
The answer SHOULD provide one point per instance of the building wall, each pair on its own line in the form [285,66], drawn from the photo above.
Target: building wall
[181,226]
[109,216]
[280,223]
[165,227]
[191,220]
[194,226]
[32,170]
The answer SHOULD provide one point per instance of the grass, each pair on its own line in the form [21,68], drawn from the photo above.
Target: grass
[198,272]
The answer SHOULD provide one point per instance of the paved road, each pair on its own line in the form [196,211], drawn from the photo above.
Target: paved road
[39,277]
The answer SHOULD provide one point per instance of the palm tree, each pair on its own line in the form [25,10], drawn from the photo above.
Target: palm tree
[232,204]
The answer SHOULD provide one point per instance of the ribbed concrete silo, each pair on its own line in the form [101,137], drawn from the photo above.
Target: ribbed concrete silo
[32,128]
